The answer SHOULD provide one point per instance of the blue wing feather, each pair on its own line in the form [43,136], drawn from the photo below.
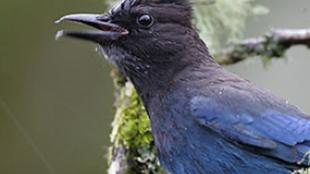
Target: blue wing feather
[278,129]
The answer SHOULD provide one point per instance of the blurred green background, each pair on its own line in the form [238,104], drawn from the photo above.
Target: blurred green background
[56,97]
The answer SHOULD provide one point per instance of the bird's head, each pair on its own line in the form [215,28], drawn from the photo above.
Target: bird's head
[141,37]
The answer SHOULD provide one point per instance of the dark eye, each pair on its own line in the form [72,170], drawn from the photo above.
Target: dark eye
[145,21]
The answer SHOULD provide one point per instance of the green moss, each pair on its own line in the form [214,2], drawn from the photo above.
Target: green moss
[133,123]
[131,130]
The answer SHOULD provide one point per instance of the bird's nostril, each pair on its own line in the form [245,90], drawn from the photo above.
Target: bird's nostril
[104,18]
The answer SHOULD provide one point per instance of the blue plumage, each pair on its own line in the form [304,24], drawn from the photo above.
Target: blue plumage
[277,133]
[229,127]
[204,119]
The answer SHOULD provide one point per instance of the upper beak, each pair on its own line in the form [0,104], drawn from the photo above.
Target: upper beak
[107,31]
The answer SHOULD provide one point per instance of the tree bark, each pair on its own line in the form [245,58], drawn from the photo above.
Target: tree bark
[272,45]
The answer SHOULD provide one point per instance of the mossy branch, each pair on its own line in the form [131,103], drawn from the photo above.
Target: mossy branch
[269,46]
[133,150]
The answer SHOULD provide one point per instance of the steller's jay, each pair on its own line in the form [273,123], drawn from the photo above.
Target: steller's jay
[205,120]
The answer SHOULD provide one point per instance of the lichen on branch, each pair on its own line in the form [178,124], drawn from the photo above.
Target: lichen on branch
[272,45]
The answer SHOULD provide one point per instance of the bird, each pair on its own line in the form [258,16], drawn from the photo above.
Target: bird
[204,119]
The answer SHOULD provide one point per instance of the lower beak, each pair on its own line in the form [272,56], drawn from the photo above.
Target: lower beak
[106,32]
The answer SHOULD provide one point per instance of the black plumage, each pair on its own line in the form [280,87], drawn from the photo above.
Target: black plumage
[204,119]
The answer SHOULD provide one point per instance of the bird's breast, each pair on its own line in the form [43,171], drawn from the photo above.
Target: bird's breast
[184,146]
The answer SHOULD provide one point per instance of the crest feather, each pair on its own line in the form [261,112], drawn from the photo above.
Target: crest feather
[179,2]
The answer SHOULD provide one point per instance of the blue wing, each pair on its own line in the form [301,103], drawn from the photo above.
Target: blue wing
[256,119]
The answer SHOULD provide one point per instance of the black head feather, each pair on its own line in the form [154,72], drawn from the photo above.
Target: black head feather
[161,1]
[158,50]
[126,4]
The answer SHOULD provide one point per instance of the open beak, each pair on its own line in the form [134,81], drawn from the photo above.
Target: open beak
[106,32]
